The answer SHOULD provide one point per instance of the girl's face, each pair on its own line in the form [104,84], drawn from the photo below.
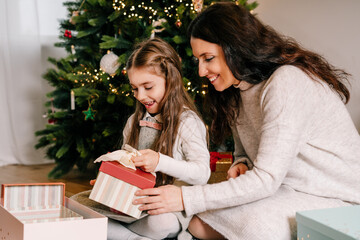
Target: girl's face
[148,87]
[212,64]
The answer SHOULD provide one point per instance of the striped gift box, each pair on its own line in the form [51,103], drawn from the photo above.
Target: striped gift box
[17,197]
[115,187]
[37,202]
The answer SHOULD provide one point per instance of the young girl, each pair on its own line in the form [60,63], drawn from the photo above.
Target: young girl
[167,130]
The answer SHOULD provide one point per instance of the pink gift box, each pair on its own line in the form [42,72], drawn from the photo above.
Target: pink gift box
[115,187]
[40,211]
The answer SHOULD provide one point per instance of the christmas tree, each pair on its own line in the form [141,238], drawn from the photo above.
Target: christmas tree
[92,98]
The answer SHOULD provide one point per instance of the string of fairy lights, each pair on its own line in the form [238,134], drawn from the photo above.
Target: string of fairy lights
[84,76]
[118,5]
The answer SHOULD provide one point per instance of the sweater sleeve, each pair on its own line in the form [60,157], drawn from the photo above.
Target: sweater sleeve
[286,110]
[239,152]
[194,166]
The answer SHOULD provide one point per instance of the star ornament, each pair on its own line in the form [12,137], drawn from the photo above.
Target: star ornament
[89,114]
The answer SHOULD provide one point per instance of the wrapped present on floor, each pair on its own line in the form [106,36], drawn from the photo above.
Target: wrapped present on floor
[220,163]
[117,182]
[41,211]
[329,224]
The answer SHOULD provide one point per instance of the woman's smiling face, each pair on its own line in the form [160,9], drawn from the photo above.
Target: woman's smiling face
[212,64]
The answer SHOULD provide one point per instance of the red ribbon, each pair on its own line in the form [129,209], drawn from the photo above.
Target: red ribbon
[216,156]
[144,123]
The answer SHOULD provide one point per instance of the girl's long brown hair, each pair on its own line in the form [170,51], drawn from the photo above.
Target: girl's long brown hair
[161,59]
[253,52]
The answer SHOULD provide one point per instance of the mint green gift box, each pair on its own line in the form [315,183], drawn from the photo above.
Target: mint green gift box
[341,223]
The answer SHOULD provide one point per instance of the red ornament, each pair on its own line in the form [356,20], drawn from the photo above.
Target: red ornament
[51,121]
[67,34]
[178,23]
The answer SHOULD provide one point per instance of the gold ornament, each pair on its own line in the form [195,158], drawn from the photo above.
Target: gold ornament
[198,5]
[74,14]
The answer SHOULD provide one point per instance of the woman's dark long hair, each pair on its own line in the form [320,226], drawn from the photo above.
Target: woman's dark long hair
[253,52]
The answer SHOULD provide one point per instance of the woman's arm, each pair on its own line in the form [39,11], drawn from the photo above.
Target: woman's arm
[240,155]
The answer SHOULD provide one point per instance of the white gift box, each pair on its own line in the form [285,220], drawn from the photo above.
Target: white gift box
[41,211]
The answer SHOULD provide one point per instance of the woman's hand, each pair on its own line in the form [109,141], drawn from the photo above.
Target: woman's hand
[237,170]
[147,161]
[159,200]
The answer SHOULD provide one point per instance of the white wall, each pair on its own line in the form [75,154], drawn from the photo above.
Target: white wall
[29,29]
[328,27]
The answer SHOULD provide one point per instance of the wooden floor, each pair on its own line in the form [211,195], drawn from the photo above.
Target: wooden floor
[75,182]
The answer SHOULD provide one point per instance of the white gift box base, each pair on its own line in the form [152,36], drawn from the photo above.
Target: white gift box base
[93,226]
[341,223]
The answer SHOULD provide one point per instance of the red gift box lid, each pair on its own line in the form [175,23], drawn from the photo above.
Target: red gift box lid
[136,177]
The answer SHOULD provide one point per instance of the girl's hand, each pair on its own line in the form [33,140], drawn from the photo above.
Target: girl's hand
[237,170]
[92,182]
[159,200]
[147,161]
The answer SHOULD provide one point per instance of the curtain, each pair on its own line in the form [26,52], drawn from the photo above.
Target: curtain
[22,93]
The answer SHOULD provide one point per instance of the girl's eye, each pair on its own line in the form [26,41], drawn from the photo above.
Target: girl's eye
[208,59]
[148,88]
[134,89]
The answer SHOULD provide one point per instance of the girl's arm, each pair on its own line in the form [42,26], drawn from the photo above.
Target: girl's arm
[191,161]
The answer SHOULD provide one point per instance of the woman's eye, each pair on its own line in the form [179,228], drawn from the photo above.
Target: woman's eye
[208,59]
[134,89]
[148,88]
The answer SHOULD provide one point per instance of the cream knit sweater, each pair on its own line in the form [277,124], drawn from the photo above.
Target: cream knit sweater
[298,135]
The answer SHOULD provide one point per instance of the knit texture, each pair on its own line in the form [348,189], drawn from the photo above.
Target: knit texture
[305,152]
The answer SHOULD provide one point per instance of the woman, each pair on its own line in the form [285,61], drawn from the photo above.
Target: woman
[296,147]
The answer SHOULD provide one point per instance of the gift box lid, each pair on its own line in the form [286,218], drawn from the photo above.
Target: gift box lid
[32,196]
[337,223]
[136,177]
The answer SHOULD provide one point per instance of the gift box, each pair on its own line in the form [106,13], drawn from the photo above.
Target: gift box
[220,162]
[41,211]
[116,185]
[331,223]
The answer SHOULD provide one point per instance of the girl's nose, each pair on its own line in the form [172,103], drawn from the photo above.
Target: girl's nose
[140,94]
